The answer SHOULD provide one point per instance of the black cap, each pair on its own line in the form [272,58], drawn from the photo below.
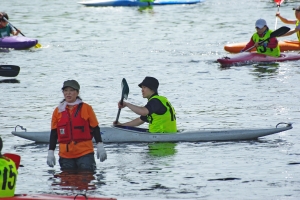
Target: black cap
[297,8]
[150,82]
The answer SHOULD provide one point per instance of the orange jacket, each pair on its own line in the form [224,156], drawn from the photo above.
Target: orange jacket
[75,150]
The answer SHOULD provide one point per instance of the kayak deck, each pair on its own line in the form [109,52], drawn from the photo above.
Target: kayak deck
[132,134]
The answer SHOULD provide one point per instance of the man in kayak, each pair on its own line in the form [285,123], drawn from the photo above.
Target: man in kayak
[290,21]
[158,112]
[8,175]
[269,47]
[5,29]
[73,125]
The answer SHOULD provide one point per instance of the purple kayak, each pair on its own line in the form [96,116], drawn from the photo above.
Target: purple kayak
[17,42]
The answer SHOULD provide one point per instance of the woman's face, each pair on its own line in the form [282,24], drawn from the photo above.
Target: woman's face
[70,94]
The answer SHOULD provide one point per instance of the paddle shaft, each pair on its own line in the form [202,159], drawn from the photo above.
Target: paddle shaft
[119,111]
[278,6]
[13,26]
[9,70]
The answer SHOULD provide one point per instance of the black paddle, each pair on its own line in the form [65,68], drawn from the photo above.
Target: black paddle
[279,32]
[9,70]
[125,91]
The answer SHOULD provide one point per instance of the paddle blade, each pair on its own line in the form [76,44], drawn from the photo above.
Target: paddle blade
[125,89]
[38,45]
[9,70]
[278,2]
[279,32]
[14,157]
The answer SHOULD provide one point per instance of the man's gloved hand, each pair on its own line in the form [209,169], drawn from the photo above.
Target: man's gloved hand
[101,153]
[51,158]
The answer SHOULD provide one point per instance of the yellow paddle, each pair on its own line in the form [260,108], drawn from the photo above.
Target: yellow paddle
[36,46]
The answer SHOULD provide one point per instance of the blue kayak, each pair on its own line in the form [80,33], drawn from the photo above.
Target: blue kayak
[136,3]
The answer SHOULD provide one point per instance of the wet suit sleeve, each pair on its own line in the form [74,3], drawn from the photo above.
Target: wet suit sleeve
[96,134]
[53,139]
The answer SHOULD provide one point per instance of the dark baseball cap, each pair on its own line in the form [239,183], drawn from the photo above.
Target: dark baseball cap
[297,8]
[150,82]
[71,83]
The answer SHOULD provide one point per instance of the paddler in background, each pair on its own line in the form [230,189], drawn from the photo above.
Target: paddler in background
[295,22]
[158,111]
[73,125]
[5,28]
[8,175]
[269,47]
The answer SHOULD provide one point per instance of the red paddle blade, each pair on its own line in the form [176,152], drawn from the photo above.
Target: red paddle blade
[278,2]
[14,157]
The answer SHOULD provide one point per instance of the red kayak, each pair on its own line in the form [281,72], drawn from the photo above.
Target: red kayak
[55,197]
[251,58]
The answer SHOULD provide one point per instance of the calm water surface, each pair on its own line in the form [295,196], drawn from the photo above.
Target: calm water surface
[179,46]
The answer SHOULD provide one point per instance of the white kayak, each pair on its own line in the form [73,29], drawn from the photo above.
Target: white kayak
[132,134]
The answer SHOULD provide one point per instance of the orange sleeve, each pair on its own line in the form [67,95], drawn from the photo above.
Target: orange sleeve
[88,113]
[55,118]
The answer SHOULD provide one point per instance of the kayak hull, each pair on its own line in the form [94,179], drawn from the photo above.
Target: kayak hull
[136,3]
[284,46]
[132,134]
[251,58]
[55,197]
[17,42]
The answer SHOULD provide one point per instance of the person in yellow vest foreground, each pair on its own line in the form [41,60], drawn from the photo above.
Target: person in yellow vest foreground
[8,175]
[269,47]
[292,21]
[158,112]
[73,125]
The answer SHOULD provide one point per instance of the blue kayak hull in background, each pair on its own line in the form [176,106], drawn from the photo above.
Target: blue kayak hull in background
[136,3]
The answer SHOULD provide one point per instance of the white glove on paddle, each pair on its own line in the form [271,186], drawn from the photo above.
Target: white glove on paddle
[51,158]
[101,153]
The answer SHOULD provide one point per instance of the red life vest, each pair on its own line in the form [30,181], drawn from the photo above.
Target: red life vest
[73,127]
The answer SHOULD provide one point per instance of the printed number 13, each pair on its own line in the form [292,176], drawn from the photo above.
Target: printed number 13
[8,173]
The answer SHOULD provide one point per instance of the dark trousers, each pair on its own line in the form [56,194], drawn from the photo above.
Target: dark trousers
[86,162]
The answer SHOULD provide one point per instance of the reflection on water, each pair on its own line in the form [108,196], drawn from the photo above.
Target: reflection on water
[146,9]
[13,80]
[161,149]
[262,70]
[74,180]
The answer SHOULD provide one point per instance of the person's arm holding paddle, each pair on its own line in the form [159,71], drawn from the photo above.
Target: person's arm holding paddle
[295,22]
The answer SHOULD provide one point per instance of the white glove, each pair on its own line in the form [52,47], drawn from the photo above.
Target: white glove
[51,158]
[101,153]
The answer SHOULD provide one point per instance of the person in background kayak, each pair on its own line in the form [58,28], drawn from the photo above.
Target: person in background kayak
[73,125]
[270,47]
[291,21]
[8,175]
[158,112]
[5,28]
